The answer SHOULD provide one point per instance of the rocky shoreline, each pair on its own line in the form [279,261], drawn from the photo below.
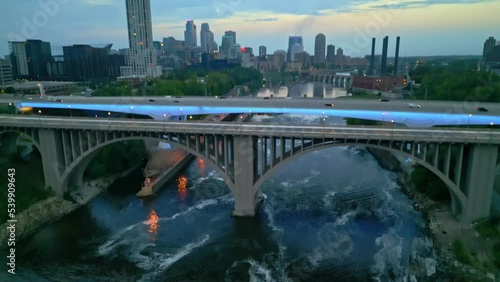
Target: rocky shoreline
[438,222]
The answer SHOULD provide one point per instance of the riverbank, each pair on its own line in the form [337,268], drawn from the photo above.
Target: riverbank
[450,238]
[54,208]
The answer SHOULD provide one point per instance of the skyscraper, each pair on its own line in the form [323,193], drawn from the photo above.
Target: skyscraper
[319,48]
[141,59]
[384,56]
[227,42]
[296,48]
[232,34]
[262,51]
[86,63]
[292,40]
[330,54]
[190,34]
[29,59]
[205,44]
[488,47]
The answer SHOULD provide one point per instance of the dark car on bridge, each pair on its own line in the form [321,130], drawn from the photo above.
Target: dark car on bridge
[383,100]
[330,105]
[151,100]
[481,109]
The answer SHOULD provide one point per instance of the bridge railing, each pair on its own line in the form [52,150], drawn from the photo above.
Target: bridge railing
[392,133]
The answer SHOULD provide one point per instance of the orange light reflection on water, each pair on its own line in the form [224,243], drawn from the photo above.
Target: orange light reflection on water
[153,224]
[182,183]
[201,165]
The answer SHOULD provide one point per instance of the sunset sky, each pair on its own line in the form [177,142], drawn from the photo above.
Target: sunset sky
[426,27]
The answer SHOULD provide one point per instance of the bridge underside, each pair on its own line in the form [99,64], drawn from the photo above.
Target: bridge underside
[246,161]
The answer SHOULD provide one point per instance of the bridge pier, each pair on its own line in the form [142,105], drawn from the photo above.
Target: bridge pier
[51,150]
[246,196]
[480,177]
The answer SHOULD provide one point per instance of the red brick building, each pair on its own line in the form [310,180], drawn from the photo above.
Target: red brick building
[381,83]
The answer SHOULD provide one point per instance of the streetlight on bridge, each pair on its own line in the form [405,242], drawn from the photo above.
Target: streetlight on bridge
[491,131]
[132,111]
[392,130]
[164,126]
[70,112]
[182,116]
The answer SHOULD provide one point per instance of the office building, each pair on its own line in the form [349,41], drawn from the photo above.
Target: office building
[319,48]
[293,40]
[330,54]
[232,34]
[29,59]
[296,48]
[5,73]
[86,63]
[396,58]
[262,51]
[141,59]
[190,37]
[207,39]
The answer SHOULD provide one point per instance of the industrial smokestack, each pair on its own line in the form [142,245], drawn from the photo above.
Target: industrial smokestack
[372,59]
[396,59]
[384,56]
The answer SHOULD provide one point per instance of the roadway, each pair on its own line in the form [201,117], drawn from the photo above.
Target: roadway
[431,112]
[296,103]
[485,136]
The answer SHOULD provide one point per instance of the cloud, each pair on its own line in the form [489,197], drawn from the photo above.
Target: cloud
[100,2]
[263,20]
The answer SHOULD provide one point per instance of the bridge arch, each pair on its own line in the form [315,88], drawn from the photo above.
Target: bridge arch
[73,174]
[29,135]
[458,198]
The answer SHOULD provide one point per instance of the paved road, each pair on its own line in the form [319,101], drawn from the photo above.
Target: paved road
[296,103]
[256,129]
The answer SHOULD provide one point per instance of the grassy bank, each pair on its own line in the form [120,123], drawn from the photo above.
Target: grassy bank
[30,184]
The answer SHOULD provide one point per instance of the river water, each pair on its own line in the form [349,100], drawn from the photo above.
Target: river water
[332,215]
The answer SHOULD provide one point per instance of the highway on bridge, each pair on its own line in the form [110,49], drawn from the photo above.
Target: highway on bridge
[430,113]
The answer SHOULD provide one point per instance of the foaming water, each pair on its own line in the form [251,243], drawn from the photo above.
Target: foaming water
[331,215]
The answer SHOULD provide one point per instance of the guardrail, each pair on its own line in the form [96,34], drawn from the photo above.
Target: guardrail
[488,136]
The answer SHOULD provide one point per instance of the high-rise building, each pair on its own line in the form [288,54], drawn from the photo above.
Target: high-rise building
[330,54]
[292,40]
[234,51]
[319,48]
[340,58]
[383,67]
[279,59]
[262,51]
[29,59]
[190,37]
[5,73]
[232,34]
[488,47]
[227,42]
[86,63]
[296,48]
[207,39]
[248,50]
[141,59]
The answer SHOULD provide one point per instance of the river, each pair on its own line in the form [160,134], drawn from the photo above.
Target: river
[332,215]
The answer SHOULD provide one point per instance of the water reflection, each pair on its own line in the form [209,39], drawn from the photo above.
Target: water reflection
[153,224]
[182,183]
[307,90]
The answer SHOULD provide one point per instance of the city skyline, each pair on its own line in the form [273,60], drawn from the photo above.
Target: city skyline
[426,32]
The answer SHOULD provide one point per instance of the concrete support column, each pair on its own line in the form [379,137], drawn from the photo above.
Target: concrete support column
[479,181]
[51,150]
[246,198]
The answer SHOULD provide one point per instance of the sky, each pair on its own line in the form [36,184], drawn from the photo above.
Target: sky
[426,27]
